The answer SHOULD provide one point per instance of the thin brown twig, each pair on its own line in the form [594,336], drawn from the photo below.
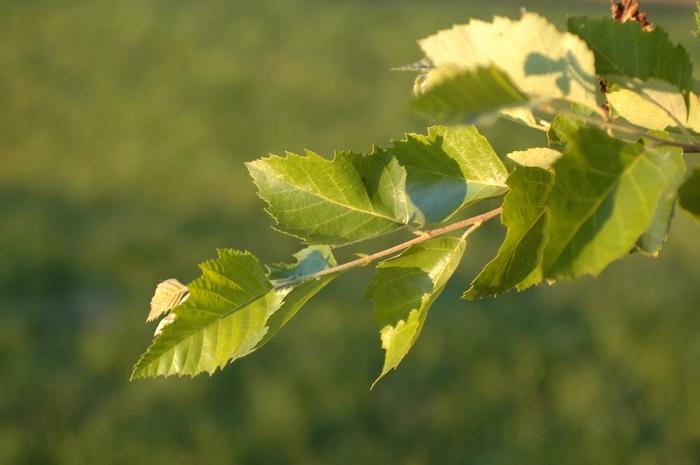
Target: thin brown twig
[367,259]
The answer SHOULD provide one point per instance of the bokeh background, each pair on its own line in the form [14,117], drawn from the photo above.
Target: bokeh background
[123,131]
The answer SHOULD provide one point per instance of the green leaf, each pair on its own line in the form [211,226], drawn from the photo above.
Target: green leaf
[625,49]
[450,93]
[518,261]
[309,261]
[697,19]
[541,61]
[694,111]
[404,288]
[447,170]
[652,240]
[539,157]
[689,197]
[604,197]
[229,314]
[348,199]
[562,129]
[523,115]
[356,197]
[650,104]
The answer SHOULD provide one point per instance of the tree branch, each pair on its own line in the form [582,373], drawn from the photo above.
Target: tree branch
[474,222]
[687,147]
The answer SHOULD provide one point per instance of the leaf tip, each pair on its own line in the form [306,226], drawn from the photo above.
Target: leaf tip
[376,381]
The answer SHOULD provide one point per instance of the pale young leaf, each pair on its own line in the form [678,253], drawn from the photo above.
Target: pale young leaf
[541,62]
[539,157]
[168,295]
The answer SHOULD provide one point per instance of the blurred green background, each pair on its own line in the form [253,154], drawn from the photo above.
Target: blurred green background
[123,131]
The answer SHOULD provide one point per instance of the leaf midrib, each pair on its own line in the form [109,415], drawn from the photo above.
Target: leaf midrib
[372,213]
[205,326]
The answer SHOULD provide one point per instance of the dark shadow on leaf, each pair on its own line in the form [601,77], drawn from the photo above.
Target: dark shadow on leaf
[568,69]
[435,182]
[309,261]
[537,64]
[587,182]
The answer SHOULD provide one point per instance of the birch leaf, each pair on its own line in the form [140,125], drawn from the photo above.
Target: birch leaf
[404,288]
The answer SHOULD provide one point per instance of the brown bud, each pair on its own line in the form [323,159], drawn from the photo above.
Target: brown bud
[628,10]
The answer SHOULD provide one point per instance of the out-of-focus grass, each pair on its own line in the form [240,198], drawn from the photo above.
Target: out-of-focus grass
[123,131]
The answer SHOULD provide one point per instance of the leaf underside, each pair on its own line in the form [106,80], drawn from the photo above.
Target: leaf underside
[538,157]
[540,61]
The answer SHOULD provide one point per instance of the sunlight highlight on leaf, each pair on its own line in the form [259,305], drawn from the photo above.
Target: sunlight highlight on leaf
[541,61]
